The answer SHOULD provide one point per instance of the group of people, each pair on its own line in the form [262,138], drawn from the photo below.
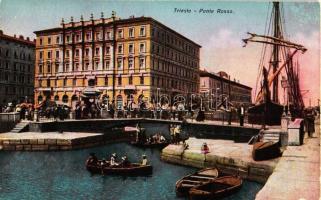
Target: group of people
[124,161]
[157,138]
[113,162]
[175,132]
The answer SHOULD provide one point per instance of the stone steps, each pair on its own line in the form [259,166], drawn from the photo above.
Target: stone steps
[19,127]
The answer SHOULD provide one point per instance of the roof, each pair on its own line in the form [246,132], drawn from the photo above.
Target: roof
[204,73]
[19,39]
[121,21]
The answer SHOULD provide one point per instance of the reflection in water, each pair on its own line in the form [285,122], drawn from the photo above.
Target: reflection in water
[62,175]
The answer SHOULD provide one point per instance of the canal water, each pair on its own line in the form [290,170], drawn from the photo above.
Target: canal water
[62,175]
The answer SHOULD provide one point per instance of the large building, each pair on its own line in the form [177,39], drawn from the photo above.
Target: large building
[124,59]
[17,58]
[220,84]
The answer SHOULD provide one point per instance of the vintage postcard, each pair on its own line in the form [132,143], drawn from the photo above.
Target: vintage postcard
[159,100]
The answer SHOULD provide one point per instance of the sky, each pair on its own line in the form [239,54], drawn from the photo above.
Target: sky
[219,34]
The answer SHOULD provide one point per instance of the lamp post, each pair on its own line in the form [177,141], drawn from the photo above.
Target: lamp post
[284,84]
[216,99]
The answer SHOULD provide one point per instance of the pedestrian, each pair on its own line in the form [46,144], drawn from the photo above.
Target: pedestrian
[205,150]
[241,112]
[309,121]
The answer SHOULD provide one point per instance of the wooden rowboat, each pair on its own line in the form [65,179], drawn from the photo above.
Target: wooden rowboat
[159,145]
[217,188]
[186,183]
[265,150]
[134,169]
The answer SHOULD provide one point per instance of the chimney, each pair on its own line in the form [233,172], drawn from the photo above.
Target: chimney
[21,37]
[1,32]
[28,39]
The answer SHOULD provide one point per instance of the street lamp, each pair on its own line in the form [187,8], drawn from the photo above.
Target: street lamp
[216,99]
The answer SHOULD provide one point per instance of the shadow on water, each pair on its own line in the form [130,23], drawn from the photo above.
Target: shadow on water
[62,175]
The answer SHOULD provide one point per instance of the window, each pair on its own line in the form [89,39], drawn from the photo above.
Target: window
[49,68]
[49,40]
[67,68]
[57,54]
[130,80]
[56,68]
[77,53]
[77,67]
[96,65]
[108,35]
[142,47]
[40,69]
[120,33]
[40,83]
[97,36]
[141,80]
[106,81]
[40,41]
[49,54]
[131,32]
[87,36]
[87,52]
[120,48]
[142,31]
[131,48]
[78,37]
[40,55]
[119,80]
[48,82]
[141,63]
[57,40]
[108,50]
[68,38]
[65,82]
[87,66]
[74,82]
[107,64]
[131,63]
[97,51]
[67,54]
[119,63]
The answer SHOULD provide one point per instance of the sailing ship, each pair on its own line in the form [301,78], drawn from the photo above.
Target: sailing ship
[278,56]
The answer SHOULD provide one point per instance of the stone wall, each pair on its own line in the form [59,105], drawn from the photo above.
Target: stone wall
[253,171]
[54,144]
[199,130]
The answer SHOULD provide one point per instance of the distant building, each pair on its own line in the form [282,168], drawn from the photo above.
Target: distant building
[221,84]
[17,58]
[148,58]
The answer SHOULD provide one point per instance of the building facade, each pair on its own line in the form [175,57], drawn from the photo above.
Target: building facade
[220,85]
[125,59]
[17,58]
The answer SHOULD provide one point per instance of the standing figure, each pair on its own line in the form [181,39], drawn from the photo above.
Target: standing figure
[309,121]
[241,112]
[205,150]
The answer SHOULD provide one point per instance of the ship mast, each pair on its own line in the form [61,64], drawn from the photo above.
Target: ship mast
[275,53]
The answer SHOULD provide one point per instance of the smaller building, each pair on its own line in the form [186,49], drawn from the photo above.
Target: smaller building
[220,84]
[17,58]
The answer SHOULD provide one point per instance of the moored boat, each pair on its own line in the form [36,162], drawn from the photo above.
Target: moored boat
[151,145]
[133,169]
[186,183]
[266,150]
[219,187]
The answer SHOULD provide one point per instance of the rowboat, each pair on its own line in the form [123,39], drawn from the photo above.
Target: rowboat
[159,145]
[186,183]
[134,169]
[219,187]
[266,150]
